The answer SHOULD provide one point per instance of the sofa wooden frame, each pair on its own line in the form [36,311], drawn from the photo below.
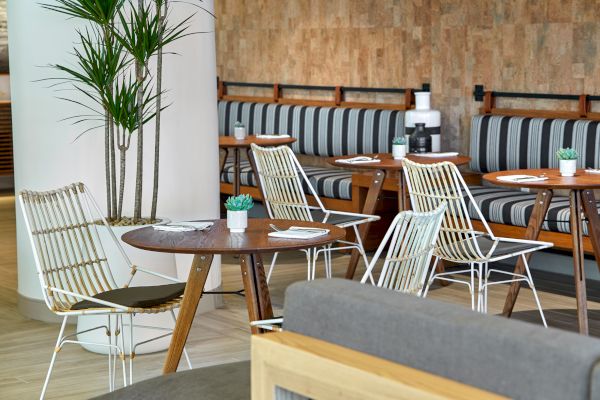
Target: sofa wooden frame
[561,240]
[321,370]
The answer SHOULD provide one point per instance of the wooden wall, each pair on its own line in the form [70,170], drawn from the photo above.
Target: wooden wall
[516,45]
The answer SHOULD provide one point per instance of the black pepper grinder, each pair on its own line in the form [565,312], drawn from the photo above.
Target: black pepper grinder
[420,140]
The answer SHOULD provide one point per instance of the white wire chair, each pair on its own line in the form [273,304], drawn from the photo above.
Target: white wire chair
[281,176]
[428,186]
[412,237]
[76,278]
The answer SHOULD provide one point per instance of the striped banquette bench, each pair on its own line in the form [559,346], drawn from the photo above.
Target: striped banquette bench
[512,142]
[319,132]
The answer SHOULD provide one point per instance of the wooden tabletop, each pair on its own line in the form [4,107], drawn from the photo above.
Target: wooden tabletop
[230,141]
[218,239]
[581,180]
[388,163]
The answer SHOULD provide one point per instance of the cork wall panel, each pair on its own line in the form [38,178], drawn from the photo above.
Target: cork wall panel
[513,45]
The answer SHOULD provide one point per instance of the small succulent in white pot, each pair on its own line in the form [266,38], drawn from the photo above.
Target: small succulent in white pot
[239,131]
[567,161]
[399,148]
[237,212]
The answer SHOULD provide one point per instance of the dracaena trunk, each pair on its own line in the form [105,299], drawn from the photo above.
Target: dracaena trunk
[107,169]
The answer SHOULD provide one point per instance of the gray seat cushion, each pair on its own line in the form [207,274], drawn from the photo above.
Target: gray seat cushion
[327,182]
[513,207]
[136,297]
[503,248]
[220,382]
[512,358]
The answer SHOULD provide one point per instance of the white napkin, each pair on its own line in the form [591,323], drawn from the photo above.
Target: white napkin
[521,178]
[447,154]
[273,136]
[299,232]
[357,160]
[592,171]
[186,226]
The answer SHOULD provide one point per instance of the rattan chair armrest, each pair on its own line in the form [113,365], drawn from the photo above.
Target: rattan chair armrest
[167,277]
[365,216]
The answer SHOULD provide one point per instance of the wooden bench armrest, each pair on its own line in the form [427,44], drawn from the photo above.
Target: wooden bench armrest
[322,370]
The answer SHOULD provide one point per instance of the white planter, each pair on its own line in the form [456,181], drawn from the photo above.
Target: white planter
[237,221]
[163,263]
[398,151]
[567,167]
[239,132]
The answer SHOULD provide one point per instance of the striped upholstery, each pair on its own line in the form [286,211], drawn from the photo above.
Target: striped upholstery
[320,131]
[512,207]
[328,182]
[507,142]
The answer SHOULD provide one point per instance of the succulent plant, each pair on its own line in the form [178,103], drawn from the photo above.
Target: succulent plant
[238,124]
[243,202]
[567,154]
[399,140]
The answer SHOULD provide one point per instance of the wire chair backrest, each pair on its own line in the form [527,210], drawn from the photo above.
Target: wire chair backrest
[67,248]
[281,176]
[411,237]
[429,185]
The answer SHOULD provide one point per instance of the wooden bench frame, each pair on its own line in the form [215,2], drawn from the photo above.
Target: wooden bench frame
[322,370]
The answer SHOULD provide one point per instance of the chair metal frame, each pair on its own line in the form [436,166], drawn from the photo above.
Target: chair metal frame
[411,237]
[280,177]
[72,266]
[428,186]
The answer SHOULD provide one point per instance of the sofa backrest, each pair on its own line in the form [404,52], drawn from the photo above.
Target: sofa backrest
[320,131]
[501,142]
[508,357]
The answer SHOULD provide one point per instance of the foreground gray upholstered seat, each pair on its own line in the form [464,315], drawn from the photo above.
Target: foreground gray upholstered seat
[220,382]
[513,358]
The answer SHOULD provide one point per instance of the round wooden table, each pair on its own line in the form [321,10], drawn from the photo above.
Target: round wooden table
[229,142]
[382,170]
[218,240]
[582,202]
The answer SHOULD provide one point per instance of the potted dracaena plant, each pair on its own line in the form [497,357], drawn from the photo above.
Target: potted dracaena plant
[399,147]
[116,92]
[237,212]
[567,161]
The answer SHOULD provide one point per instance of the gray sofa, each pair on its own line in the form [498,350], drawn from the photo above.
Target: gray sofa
[507,357]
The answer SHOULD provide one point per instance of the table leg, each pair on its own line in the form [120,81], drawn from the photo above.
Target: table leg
[401,191]
[236,171]
[591,212]
[575,198]
[368,208]
[258,299]
[534,226]
[191,296]
[222,167]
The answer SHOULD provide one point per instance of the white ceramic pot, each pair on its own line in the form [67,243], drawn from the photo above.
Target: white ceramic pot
[237,221]
[422,113]
[239,132]
[163,263]
[567,167]
[398,151]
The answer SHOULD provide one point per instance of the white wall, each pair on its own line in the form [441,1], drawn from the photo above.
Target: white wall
[46,155]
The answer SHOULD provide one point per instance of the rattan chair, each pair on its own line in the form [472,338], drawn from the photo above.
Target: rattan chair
[411,237]
[281,180]
[76,278]
[429,186]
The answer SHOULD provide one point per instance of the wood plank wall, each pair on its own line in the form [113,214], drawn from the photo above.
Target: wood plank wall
[513,45]
[6,152]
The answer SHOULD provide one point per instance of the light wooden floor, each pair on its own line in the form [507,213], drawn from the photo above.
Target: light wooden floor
[220,336]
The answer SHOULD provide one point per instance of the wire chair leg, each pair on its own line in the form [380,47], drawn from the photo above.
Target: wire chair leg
[532,286]
[110,351]
[480,288]
[472,287]
[309,263]
[131,350]
[361,248]
[314,264]
[121,332]
[185,353]
[485,287]
[54,354]
[272,266]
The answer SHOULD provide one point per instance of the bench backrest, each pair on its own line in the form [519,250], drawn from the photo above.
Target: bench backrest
[320,131]
[512,358]
[501,142]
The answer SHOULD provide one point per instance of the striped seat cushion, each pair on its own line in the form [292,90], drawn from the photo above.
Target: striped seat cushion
[511,207]
[505,142]
[320,131]
[328,182]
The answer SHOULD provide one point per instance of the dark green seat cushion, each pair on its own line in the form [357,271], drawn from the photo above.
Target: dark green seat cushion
[135,297]
[220,382]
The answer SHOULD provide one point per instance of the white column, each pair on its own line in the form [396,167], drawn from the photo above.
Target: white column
[48,156]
